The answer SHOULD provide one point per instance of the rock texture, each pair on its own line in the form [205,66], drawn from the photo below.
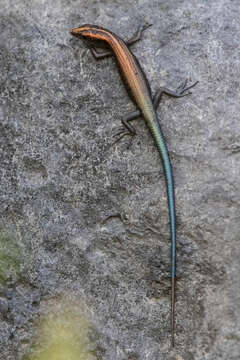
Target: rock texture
[83,218]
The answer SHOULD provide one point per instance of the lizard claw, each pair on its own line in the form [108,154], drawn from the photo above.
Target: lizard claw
[121,133]
[182,86]
[181,90]
[145,26]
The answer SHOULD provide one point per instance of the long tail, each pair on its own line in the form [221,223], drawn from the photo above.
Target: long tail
[162,147]
[172,213]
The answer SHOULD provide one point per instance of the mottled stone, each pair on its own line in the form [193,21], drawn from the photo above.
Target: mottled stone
[88,219]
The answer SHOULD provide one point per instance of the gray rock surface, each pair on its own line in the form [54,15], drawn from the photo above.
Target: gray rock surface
[84,219]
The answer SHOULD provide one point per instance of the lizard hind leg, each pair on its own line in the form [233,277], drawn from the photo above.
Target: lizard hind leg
[127,128]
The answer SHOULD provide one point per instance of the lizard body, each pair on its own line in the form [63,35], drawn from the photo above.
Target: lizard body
[139,87]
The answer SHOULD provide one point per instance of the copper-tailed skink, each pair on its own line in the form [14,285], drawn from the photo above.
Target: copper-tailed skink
[138,85]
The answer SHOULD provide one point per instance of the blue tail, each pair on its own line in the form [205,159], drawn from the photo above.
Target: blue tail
[162,148]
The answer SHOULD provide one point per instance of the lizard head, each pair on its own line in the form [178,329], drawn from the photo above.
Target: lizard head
[88,31]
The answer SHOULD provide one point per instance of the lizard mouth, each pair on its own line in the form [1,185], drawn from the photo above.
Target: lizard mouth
[76,32]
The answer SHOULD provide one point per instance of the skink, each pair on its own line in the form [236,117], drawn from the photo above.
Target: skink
[139,87]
